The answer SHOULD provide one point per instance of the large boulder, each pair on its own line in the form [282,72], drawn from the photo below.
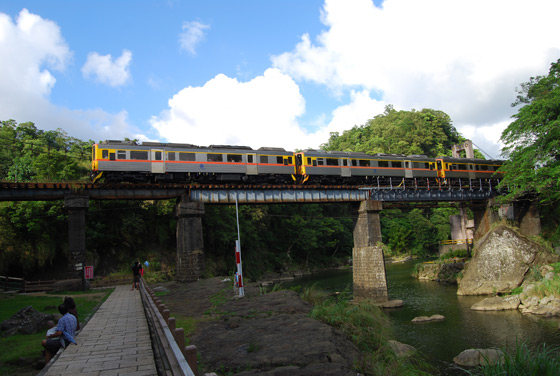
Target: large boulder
[500,262]
[478,357]
[26,321]
[497,303]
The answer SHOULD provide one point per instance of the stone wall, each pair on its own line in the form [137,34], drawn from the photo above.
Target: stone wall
[369,277]
[190,243]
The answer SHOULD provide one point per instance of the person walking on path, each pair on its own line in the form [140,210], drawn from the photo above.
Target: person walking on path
[136,274]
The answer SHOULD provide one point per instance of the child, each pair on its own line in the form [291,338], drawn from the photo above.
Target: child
[52,328]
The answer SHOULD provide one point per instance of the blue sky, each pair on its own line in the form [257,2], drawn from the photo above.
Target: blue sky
[267,73]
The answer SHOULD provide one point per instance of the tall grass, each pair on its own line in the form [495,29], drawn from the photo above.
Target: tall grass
[548,287]
[544,361]
[368,328]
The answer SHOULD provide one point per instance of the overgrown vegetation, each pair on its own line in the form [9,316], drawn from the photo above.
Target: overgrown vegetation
[522,361]
[28,346]
[368,328]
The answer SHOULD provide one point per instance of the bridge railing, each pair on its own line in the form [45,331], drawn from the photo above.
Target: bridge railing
[171,354]
[456,241]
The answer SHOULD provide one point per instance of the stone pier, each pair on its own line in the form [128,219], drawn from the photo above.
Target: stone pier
[370,280]
[190,243]
[76,206]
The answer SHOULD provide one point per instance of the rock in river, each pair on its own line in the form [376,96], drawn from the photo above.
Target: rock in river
[497,303]
[428,319]
[478,357]
[500,262]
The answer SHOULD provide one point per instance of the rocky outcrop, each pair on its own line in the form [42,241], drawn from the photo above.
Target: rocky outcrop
[531,303]
[478,357]
[497,303]
[26,321]
[420,319]
[401,349]
[440,272]
[500,262]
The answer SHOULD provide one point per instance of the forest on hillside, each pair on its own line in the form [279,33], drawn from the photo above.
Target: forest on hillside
[279,237]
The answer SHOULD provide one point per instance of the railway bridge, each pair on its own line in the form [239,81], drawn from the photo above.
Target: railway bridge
[368,265]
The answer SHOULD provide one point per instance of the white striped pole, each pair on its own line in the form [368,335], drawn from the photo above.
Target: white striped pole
[238,253]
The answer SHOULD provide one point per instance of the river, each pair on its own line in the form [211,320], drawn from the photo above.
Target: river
[462,328]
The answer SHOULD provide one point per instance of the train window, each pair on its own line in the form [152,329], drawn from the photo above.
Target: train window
[112,156]
[142,155]
[121,154]
[396,164]
[171,156]
[249,158]
[264,159]
[290,160]
[234,158]
[364,163]
[320,161]
[354,162]
[104,154]
[432,166]
[452,167]
[484,167]
[279,160]
[383,163]
[215,157]
[314,162]
[309,161]
[417,165]
[332,162]
[345,163]
[491,168]
[187,157]
[157,156]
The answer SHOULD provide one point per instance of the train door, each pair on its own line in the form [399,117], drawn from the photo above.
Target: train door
[472,172]
[345,169]
[252,167]
[440,170]
[158,161]
[408,173]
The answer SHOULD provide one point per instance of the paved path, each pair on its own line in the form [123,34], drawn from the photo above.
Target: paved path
[115,341]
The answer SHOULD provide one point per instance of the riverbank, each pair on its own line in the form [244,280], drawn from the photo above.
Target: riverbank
[272,333]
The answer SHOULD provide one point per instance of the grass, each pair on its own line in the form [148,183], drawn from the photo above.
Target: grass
[521,361]
[18,346]
[368,328]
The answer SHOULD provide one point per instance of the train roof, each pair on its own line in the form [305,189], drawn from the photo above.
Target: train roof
[471,160]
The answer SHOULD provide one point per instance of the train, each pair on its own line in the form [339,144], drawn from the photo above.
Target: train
[118,161]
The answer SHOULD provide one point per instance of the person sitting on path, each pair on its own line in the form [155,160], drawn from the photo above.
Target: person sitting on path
[136,274]
[66,330]
[69,302]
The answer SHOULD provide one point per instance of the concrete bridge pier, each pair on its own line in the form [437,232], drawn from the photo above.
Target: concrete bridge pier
[369,276]
[76,206]
[190,243]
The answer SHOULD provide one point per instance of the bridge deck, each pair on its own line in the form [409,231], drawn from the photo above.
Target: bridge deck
[116,341]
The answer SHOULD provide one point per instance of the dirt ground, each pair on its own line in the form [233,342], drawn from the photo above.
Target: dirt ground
[267,334]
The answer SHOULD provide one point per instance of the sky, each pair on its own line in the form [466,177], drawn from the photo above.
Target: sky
[267,73]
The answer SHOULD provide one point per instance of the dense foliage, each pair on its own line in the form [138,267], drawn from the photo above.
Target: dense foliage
[427,132]
[532,140]
[532,147]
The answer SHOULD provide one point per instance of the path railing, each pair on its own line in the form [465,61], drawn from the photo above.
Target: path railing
[171,354]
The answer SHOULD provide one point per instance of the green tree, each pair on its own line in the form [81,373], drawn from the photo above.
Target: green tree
[428,132]
[532,140]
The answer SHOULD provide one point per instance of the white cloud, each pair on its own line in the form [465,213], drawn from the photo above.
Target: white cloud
[28,49]
[462,57]
[32,51]
[192,35]
[260,112]
[106,71]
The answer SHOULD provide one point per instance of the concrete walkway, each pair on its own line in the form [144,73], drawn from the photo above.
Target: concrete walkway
[115,341]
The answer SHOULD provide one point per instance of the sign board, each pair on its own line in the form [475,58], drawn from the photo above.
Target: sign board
[88,272]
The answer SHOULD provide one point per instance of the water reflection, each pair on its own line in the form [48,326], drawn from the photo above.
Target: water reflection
[462,328]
